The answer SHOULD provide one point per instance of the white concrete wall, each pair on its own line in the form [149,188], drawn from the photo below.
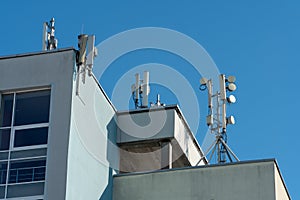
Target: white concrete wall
[247,181]
[92,124]
[281,192]
[186,141]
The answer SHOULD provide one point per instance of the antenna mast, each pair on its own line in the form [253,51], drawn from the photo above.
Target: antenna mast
[217,119]
[140,91]
[49,40]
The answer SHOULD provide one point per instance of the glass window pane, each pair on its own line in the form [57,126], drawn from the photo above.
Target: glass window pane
[28,137]
[32,107]
[6,110]
[3,172]
[4,139]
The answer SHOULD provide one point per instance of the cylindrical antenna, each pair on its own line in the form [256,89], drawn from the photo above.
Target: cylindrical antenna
[52,42]
[209,88]
[82,40]
[49,40]
[137,86]
[91,53]
[146,89]
[158,100]
[45,28]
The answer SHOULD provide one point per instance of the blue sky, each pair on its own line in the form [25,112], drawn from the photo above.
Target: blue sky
[257,41]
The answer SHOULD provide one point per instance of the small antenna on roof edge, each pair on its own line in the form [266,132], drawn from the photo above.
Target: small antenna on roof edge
[49,40]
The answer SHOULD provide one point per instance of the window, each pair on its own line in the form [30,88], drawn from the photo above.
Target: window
[4,139]
[3,172]
[6,110]
[24,124]
[32,107]
[24,119]
[32,136]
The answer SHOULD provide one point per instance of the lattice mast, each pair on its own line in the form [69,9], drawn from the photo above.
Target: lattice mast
[217,119]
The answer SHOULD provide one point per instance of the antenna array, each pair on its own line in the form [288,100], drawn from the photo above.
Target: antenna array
[49,40]
[217,119]
[85,57]
[140,91]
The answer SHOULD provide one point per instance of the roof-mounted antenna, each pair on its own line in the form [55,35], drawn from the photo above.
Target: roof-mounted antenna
[158,102]
[140,92]
[49,40]
[85,57]
[217,119]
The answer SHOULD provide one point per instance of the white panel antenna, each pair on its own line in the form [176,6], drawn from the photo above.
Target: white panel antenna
[146,89]
[85,57]
[140,91]
[92,52]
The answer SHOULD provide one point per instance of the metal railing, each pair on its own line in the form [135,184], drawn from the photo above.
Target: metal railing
[29,174]
[20,175]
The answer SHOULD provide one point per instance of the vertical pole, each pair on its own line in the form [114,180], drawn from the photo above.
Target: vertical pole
[45,27]
[166,155]
[219,152]
[209,89]
[137,89]
[218,134]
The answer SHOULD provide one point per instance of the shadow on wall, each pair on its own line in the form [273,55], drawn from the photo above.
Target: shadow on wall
[112,158]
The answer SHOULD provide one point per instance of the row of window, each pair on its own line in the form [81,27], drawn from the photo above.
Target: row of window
[24,108]
[24,122]
[23,137]
[24,119]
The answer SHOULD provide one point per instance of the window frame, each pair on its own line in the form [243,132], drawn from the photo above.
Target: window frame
[13,127]
[26,198]
[25,127]
[12,133]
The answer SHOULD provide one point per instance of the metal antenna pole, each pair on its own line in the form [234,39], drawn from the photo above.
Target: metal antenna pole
[218,122]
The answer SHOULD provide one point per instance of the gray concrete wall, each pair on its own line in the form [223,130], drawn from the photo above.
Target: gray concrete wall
[53,70]
[249,180]
[145,125]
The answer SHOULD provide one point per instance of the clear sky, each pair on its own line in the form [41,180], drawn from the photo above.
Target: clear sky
[257,41]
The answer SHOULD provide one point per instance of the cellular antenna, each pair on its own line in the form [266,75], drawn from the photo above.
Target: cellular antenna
[140,91]
[85,57]
[217,119]
[49,40]
[146,89]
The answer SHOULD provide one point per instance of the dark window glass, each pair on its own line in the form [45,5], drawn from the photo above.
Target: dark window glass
[28,137]
[32,107]
[27,171]
[3,172]
[4,139]
[6,110]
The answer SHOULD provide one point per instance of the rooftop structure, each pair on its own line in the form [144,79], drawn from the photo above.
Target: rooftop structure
[61,138]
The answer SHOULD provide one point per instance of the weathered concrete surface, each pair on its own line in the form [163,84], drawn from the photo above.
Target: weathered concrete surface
[244,180]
